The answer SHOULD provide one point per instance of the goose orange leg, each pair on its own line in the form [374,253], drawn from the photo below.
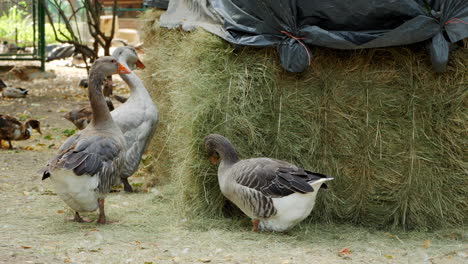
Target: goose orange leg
[255,225]
[102,216]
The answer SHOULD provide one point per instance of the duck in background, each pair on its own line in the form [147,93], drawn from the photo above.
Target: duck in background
[82,117]
[12,129]
[11,92]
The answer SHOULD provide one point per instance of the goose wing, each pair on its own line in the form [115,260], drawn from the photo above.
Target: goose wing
[262,179]
[275,178]
[138,130]
[89,155]
[138,140]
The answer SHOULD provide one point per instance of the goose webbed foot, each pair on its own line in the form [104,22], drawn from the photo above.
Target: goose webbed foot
[255,223]
[127,186]
[79,219]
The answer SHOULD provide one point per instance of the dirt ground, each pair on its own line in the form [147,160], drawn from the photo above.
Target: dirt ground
[149,229]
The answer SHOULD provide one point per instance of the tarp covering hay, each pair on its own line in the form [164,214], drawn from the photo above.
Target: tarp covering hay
[387,128]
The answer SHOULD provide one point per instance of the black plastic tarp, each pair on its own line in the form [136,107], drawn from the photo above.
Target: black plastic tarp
[292,25]
[162,4]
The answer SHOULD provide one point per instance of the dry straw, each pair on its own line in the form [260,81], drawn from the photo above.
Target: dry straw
[390,130]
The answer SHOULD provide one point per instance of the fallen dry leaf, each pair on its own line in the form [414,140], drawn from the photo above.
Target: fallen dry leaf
[60,211]
[48,192]
[67,260]
[205,260]
[26,247]
[426,243]
[344,251]
[388,256]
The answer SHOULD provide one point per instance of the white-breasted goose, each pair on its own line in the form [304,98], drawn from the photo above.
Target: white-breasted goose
[275,194]
[137,117]
[89,163]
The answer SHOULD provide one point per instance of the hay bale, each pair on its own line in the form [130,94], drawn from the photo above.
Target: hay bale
[380,121]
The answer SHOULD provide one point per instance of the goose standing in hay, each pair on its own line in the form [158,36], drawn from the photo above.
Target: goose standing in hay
[12,129]
[137,117]
[275,194]
[89,163]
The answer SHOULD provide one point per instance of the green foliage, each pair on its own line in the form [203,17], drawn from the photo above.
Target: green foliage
[380,121]
[69,132]
[18,24]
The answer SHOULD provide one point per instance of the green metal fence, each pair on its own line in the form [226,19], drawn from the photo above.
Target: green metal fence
[22,30]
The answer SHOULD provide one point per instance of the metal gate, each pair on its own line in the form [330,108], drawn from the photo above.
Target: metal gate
[22,30]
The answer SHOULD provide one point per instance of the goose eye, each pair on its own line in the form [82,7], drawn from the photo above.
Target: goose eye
[113,61]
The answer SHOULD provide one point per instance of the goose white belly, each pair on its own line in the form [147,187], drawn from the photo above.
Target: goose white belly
[78,192]
[291,209]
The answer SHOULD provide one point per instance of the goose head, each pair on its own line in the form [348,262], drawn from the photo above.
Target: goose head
[129,55]
[34,124]
[219,147]
[107,66]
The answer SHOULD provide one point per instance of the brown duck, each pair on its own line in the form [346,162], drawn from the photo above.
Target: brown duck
[82,117]
[12,129]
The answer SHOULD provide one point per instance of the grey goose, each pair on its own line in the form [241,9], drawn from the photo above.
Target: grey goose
[89,163]
[275,194]
[137,117]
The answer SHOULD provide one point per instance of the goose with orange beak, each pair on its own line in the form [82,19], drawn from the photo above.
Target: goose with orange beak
[275,194]
[137,117]
[90,162]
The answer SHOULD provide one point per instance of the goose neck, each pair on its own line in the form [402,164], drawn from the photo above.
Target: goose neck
[227,154]
[101,114]
[131,78]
